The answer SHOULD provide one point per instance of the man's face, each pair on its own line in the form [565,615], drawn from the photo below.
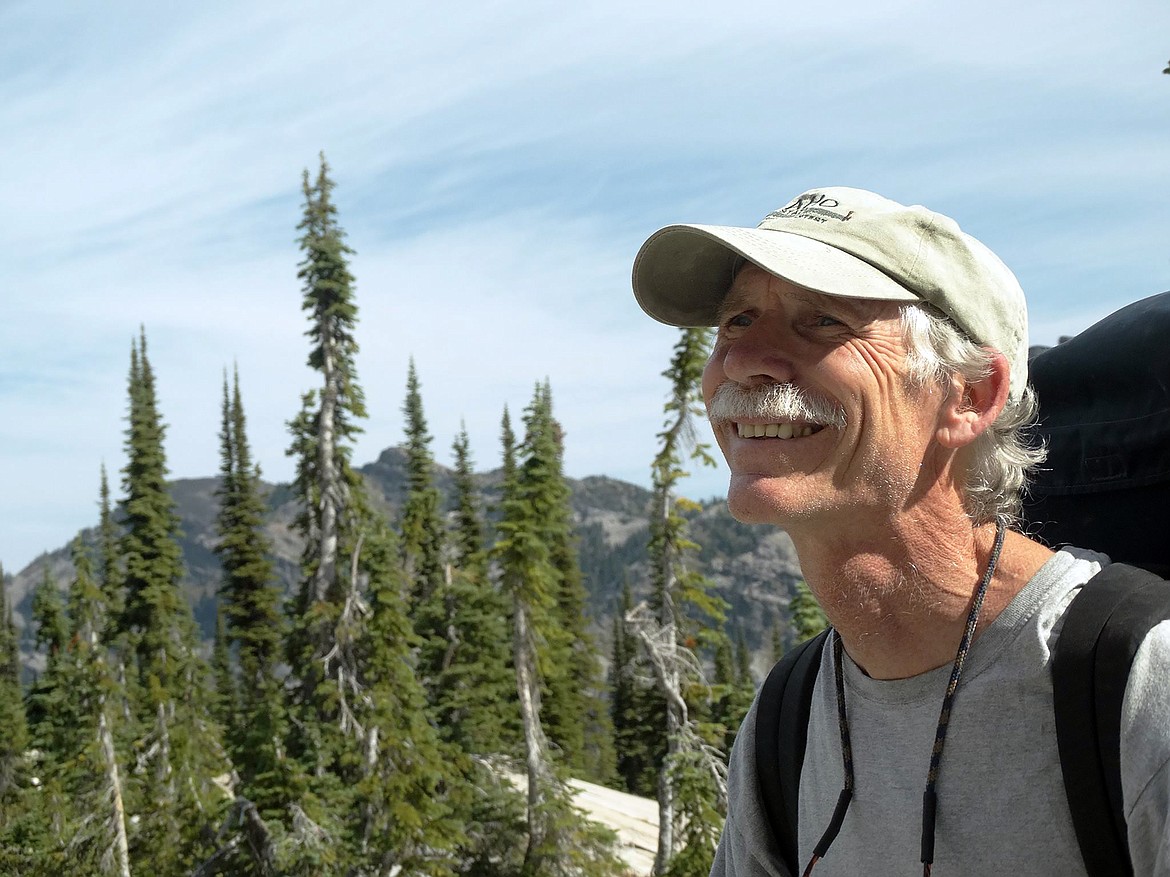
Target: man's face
[859,444]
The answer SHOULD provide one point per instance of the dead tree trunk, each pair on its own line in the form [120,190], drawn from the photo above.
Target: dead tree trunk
[535,743]
[670,661]
[120,847]
[328,473]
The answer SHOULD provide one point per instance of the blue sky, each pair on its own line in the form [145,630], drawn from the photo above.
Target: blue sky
[497,167]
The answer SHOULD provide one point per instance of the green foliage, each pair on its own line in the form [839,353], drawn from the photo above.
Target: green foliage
[540,517]
[571,845]
[156,620]
[637,711]
[680,595]
[743,661]
[688,616]
[732,692]
[373,789]
[178,750]
[14,739]
[421,527]
[63,803]
[329,490]
[807,618]
[252,698]
[777,651]
[225,704]
[559,840]
[109,561]
[699,813]
[51,711]
[407,781]
[474,691]
[330,303]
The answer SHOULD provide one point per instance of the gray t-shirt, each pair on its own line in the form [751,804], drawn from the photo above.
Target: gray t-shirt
[1001,801]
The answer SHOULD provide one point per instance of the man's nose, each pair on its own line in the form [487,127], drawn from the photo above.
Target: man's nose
[758,357]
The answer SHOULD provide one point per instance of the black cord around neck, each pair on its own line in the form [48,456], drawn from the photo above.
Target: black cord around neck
[930,796]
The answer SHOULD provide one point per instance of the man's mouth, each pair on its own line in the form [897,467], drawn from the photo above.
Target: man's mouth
[777,430]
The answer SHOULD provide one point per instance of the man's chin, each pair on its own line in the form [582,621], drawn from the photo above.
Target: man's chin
[761,499]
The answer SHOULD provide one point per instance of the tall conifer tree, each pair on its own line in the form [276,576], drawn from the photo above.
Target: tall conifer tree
[429,585]
[474,692]
[422,528]
[94,775]
[50,714]
[529,577]
[42,816]
[330,523]
[575,717]
[254,623]
[688,803]
[182,751]
[109,565]
[350,647]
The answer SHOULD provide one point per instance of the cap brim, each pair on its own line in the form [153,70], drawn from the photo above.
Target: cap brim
[682,272]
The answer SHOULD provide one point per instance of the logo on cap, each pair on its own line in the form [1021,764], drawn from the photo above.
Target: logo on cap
[812,206]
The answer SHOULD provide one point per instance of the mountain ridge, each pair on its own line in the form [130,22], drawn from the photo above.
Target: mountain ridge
[753,567]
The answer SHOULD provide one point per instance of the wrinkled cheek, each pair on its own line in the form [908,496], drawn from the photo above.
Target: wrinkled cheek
[713,376]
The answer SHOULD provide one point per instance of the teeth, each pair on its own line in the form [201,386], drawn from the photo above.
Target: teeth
[774,430]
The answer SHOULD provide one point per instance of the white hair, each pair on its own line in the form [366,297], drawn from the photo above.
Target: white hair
[1003,456]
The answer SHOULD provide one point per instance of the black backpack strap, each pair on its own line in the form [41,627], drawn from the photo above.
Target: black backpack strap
[781,736]
[1105,625]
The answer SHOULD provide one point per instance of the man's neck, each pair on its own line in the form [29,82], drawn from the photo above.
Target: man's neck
[899,595]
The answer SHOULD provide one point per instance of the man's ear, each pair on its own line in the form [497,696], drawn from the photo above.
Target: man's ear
[972,406]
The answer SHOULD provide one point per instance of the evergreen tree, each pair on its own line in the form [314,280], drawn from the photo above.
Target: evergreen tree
[50,716]
[14,739]
[226,707]
[807,617]
[687,795]
[474,693]
[528,576]
[350,648]
[422,529]
[92,774]
[250,599]
[743,661]
[115,637]
[467,539]
[109,566]
[36,825]
[173,788]
[320,645]
[404,793]
[429,585]
[777,651]
[575,716]
[637,710]
[733,689]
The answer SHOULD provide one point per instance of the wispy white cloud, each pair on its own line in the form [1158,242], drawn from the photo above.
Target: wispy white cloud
[498,165]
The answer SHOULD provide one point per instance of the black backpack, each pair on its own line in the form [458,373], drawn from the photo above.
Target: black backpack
[1105,416]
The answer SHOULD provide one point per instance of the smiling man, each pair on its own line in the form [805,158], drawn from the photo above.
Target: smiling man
[868,388]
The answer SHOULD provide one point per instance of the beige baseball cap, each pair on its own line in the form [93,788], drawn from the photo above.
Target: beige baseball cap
[844,242]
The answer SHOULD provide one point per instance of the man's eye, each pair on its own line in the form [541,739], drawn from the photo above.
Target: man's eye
[739,321]
[824,321]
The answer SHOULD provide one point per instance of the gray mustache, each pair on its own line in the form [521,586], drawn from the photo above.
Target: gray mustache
[778,403]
